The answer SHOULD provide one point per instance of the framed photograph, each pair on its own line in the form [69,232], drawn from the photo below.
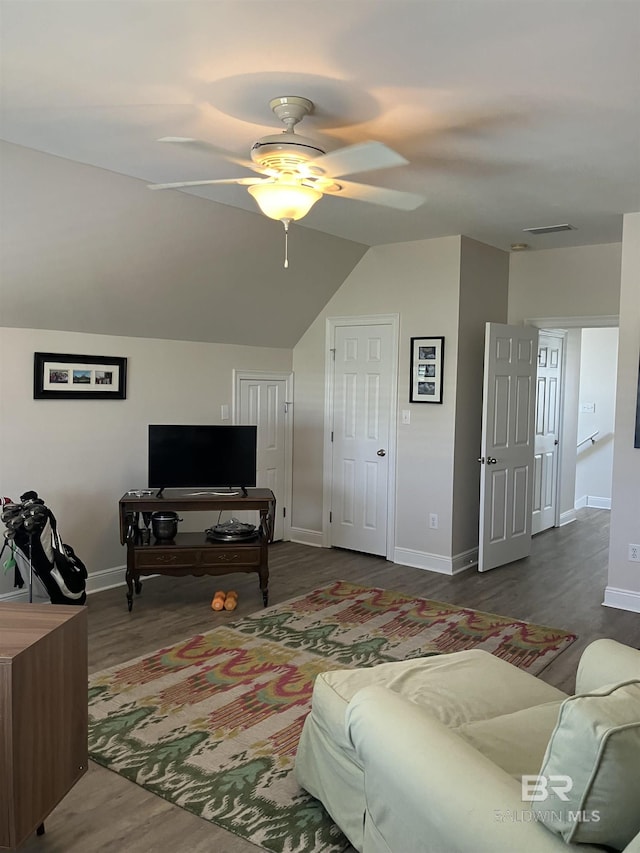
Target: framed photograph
[426,370]
[58,376]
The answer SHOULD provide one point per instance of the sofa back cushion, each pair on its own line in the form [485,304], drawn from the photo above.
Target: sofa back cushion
[595,750]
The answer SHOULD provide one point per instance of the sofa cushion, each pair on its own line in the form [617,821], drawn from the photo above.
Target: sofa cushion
[596,743]
[515,742]
[455,688]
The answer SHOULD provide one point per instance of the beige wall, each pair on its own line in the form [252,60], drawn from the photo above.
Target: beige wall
[624,577]
[449,287]
[81,456]
[484,277]
[419,281]
[575,282]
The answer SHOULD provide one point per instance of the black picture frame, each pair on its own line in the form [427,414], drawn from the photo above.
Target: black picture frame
[426,376]
[62,376]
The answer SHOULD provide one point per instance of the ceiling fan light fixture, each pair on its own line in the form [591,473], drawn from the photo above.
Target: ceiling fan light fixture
[284,201]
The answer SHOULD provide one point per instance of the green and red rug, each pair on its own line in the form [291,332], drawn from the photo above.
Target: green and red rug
[212,723]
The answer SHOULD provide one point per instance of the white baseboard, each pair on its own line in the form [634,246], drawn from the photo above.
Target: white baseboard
[567,517]
[96,582]
[106,579]
[434,562]
[622,599]
[593,501]
[22,595]
[307,537]
[465,560]
[598,503]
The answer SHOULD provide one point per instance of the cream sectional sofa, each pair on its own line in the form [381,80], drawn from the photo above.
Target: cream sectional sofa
[429,754]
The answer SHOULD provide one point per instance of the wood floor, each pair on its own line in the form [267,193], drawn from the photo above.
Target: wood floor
[561,585]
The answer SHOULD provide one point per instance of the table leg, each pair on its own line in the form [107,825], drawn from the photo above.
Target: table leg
[129,578]
[263,573]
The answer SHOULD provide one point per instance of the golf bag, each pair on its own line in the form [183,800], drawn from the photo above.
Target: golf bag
[32,529]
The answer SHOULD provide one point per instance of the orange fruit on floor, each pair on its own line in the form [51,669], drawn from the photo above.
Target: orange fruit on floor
[231,601]
[218,600]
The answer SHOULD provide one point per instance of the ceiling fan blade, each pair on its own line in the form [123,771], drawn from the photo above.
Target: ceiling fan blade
[243,181]
[380,195]
[361,157]
[210,148]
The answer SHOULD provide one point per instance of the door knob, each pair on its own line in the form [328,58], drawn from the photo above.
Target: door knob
[381,452]
[491,460]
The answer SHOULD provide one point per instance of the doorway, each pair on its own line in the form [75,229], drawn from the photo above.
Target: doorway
[265,399]
[576,425]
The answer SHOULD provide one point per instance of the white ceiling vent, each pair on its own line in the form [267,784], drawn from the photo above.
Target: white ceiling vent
[550,229]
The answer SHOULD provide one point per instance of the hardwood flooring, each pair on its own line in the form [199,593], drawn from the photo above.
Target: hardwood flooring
[561,585]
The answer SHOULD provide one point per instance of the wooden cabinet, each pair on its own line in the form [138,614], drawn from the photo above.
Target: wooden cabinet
[43,712]
[193,553]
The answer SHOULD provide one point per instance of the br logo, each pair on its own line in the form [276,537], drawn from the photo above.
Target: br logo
[536,789]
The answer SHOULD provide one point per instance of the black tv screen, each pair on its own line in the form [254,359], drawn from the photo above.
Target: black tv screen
[183,457]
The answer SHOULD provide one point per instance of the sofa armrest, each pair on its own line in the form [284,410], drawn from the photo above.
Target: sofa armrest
[426,789]
[606,662]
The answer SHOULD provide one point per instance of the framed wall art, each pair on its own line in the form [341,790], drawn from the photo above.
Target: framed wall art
[425,384]
[58,376]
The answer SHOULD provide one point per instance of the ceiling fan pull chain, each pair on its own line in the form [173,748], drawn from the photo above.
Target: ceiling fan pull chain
[285,222]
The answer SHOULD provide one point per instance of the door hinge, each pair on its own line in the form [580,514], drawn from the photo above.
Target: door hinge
[331,435]
[330,517]
[333,353]
[284,512]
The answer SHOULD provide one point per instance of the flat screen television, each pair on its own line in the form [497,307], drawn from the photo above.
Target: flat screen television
[207,456]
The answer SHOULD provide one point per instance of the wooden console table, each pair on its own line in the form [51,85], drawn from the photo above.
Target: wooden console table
[193,553]
[43,713]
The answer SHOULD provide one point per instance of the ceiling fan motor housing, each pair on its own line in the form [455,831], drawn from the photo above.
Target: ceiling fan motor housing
[283,151]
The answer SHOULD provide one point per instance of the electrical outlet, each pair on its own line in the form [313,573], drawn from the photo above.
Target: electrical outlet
[634,553]
[433,521]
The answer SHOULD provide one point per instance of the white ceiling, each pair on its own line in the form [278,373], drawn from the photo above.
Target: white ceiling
[513,113]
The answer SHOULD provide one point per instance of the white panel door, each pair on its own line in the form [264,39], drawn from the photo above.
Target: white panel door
[362,386]
[506,479]
[547,432]
[263,403]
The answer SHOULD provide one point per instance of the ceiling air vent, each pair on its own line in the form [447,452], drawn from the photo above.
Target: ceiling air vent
[550,229]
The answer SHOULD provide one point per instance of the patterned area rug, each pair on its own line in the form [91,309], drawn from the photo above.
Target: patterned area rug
[212,723]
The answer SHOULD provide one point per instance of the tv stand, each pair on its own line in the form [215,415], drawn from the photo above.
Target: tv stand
[193,553]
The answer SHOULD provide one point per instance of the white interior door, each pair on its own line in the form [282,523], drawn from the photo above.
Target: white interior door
[506,479]
[263,402]
[547,431]
[362,398]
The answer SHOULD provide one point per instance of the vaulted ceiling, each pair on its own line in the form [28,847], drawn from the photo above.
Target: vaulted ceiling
[512,114]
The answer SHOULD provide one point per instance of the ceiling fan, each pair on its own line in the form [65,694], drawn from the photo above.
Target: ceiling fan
[296,171]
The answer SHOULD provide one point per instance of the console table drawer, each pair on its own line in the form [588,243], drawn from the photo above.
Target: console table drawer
[156,558]
[230,556]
